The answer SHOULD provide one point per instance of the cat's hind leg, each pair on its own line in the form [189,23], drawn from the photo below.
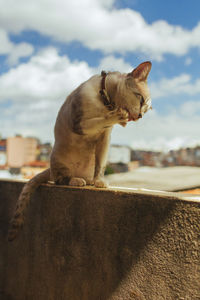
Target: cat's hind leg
[76,181]
[62,175]
[72,181]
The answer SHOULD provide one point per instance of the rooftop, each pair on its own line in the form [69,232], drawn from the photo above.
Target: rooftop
[164,179]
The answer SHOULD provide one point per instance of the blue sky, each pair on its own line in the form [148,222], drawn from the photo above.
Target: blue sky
[47,48]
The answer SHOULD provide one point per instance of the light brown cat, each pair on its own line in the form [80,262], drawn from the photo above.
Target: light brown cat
[82,131]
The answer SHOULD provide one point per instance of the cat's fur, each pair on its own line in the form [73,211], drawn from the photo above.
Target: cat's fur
[82,132]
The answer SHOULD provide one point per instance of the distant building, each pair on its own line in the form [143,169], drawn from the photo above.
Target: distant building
[119,154]
[133,165]
[147,158]
[21,151]
[197,155]
[119,158]
[43,152]
[3,157]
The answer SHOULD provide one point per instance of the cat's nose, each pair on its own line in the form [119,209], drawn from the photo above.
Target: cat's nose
[139,116]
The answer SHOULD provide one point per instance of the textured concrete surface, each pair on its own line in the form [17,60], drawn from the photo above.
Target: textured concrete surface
[165,179]
[88,244]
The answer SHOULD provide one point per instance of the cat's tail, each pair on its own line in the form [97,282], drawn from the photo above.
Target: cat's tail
[23,200]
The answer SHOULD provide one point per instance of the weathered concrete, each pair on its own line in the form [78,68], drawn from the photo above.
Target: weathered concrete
[165,179]
[88,244]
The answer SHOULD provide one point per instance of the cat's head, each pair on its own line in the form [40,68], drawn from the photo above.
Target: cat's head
[133,93]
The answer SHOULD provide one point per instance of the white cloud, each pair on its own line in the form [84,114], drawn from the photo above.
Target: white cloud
[160,132]
[188,61]
[47,76]
[13,51]
[32,92]
[178,85]
[18,51]
[5,45]
[111,63]
[98,25]
[31,95]
[190,109]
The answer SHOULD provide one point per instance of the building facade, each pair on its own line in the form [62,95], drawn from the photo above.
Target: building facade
[21,151]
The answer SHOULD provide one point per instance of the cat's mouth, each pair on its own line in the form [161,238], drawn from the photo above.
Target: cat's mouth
[144,108]
[130,118]
[133,118]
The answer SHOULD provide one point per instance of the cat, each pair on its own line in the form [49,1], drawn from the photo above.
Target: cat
[82,132]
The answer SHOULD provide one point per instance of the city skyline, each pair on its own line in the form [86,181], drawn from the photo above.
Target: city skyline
[48,49]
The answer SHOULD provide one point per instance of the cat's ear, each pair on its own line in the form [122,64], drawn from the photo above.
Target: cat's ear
[142,71]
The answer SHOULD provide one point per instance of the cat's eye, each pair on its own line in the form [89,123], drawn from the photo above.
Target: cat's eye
[140,97]
[141,101]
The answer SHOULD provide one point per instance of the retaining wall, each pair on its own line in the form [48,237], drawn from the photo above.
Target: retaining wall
[89,244]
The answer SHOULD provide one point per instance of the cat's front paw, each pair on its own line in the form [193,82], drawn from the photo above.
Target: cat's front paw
[76,181]
[119,116]
[89,181]
[123,116]
[100,183]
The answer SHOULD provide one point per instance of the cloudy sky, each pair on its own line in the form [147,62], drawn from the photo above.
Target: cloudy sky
[48,47]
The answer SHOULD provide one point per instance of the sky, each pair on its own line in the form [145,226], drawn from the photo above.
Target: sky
[49,47]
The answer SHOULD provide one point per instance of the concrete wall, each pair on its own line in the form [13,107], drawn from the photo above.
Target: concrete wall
[88,244]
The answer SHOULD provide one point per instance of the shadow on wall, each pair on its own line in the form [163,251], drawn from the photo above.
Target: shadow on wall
[97,244]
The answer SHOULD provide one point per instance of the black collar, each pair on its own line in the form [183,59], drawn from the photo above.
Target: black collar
[104,95]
